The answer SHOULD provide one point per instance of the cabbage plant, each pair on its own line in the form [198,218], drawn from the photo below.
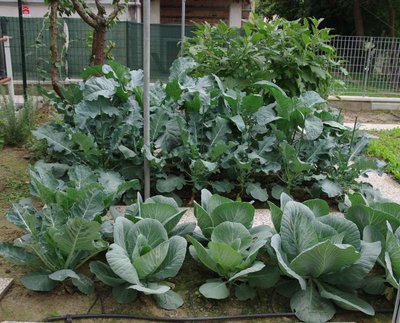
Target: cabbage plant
[141,258]
[378,221]
[55,242]
[231,253]
[163,209]
[324,255]
[216,209]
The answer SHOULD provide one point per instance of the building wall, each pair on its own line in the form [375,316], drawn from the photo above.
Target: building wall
[162,11]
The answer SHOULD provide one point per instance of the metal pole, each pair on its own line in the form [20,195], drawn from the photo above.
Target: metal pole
[7,56]
[22,41]
[183,26]
[396,312]
[146,96]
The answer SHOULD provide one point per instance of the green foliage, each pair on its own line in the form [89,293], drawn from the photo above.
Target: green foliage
[287,53]
[140,259]
[379,221]
[232,252]
[204,135]
[63,236]
[387,147]
[324,256]
[337,14]
[163,209]
[16,124]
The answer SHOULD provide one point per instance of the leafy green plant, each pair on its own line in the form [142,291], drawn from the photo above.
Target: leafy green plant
[55,242]
[163,209]
[232,247]
[102,124]
[63,185]
[141,258]
[387,147]
[379,221]
[204,135]
[324,255]
[16,125]
[63,236]
[216,209]
[285,52]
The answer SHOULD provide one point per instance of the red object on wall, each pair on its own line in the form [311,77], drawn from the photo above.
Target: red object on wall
[26,10]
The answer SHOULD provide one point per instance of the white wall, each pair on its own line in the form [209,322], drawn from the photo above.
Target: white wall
[37,9]
[155,11]
[235,13]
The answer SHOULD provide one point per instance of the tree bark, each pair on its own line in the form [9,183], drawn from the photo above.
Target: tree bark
[391,18]
[55,57]
[98,46]
[358,18]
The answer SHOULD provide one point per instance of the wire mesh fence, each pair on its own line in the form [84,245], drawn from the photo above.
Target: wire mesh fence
[373,63]
[75,42]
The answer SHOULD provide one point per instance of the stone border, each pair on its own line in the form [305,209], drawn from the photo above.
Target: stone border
[364,103]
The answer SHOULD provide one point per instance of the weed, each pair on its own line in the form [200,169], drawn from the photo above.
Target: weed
[16,125]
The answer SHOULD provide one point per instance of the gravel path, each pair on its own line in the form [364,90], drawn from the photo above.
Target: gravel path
[389,188]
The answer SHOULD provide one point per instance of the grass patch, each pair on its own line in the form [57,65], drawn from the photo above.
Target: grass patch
[387,147]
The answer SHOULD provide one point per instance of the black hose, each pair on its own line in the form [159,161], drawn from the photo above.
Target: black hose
[70,318]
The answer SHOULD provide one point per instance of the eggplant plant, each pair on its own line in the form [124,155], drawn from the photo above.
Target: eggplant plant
[379,221]
[324,258]
[141,258]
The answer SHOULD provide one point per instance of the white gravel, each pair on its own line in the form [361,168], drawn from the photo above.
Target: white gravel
[389,188]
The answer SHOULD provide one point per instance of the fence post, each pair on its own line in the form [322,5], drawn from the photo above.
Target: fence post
[7,56]
[183,26]
[368,46]
[22,41]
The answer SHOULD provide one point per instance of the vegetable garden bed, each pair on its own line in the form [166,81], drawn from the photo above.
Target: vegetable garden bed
[262,145]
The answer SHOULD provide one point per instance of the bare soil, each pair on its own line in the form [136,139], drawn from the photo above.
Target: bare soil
[377,116]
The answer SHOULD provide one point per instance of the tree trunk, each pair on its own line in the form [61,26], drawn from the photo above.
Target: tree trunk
[391,18]
[358,18]
[98,46]
[55,59]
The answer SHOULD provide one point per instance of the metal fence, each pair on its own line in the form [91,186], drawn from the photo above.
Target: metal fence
[373,64]
[75,47]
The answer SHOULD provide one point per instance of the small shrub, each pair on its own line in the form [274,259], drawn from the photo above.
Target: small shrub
[16,125]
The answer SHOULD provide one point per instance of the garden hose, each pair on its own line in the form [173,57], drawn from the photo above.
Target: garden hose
[71,317]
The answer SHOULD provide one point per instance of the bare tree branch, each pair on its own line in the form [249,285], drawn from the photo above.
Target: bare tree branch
[82,12]
[117,10]
[101,11]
